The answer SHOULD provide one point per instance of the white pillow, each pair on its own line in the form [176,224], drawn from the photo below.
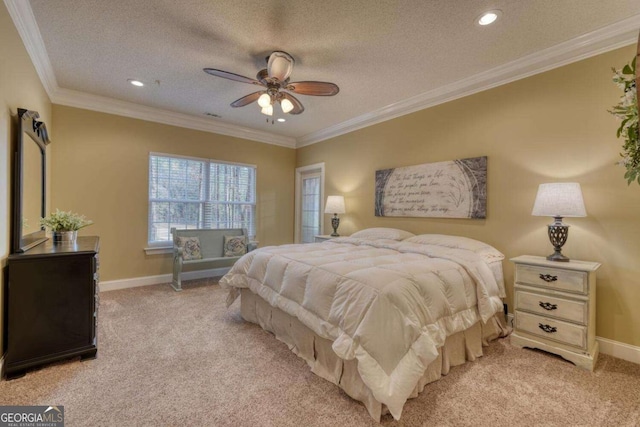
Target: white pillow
[382,233]
[485,251]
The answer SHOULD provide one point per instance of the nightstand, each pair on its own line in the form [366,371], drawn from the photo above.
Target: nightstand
[321,238]
[555,308]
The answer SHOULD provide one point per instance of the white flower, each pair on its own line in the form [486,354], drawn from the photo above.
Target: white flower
[628,99]
[624,161]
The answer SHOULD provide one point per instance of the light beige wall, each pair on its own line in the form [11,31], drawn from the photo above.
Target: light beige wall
[546,128]
[20,87]
[101,166]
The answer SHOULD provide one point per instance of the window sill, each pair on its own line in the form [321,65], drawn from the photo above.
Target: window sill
[158,250]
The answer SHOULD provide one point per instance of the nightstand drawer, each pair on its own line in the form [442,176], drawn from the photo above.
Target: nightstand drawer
[551,329]
[546,305]
[552,278]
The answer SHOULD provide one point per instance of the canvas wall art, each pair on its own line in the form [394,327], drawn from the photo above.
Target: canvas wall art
[451,189]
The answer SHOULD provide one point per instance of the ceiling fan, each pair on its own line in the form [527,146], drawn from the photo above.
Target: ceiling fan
[275,80]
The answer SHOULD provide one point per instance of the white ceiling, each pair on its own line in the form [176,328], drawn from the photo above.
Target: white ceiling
[388,57]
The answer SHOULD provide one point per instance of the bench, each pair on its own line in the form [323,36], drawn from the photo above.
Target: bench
[211,249]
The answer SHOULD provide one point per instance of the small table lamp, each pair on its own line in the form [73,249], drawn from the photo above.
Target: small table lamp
[559,199]
[335,205]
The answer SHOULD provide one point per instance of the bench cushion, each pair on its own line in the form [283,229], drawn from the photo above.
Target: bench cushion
[227,260]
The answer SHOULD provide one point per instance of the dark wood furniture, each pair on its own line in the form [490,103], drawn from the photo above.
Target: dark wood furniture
[51,299]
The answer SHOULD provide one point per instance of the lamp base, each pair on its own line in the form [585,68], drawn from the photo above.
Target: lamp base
[558,234]
[557,256]
[335,222]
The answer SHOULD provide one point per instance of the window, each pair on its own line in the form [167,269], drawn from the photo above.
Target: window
[198,193]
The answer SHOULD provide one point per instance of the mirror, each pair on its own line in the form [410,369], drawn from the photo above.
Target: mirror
[29,186]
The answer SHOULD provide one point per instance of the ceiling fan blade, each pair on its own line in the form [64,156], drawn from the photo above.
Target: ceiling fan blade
[297,105]
[280,65]
[231,76]
[314,88]
[247,99]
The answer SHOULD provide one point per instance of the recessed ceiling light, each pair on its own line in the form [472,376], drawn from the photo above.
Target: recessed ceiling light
[489,17]
[135,82]
[282,120]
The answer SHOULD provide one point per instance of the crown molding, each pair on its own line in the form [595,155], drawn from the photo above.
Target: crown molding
[608,38]
[22,16]
[72,98]
[25,22]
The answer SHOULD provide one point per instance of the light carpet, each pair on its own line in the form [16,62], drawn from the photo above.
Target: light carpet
[170,358]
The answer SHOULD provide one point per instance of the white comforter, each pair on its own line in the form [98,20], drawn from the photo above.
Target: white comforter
[389,304]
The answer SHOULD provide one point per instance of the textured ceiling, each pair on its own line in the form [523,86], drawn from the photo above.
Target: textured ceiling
[379,53]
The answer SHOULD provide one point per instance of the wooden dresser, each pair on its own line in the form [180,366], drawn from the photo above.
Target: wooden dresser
[51,299]
[555,308]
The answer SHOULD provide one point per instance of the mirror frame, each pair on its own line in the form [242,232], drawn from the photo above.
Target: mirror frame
[37,131]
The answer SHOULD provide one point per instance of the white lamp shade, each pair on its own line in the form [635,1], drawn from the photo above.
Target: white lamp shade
[268,110]
[264,100]
[335,205]
[286,105]
[559,199]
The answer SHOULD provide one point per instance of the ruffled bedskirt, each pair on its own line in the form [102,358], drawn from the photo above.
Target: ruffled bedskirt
[318,353]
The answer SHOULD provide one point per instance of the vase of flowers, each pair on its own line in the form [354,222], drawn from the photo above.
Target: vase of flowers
[64,225]
[627,111]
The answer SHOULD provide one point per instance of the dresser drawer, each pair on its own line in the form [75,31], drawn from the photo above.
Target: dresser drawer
[563,280]
[546,305]
[552,329]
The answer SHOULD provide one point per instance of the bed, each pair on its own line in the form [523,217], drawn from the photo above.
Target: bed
[380,313]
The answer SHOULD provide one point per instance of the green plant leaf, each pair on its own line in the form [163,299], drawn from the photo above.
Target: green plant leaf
[627,111]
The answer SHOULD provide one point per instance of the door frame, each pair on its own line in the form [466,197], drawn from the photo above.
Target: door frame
[315,168]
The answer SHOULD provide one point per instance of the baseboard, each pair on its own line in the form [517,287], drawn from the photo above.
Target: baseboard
[613,348]
[112,285]
[619,349]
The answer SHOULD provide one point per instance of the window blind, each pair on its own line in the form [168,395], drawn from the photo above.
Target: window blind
[199,193]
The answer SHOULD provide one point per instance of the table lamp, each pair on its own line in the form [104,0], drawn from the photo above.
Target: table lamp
[335,205]
[559,199]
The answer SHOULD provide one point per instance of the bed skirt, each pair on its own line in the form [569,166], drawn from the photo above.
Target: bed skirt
[317,351]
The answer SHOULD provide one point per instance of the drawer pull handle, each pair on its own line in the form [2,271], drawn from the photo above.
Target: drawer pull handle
[547,328]
[548,277]
[548,306]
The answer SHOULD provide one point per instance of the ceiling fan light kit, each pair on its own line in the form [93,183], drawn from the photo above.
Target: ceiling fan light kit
[268,110]
[275,80]
[264,100]
[286,105]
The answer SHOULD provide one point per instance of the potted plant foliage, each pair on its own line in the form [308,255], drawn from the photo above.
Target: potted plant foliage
[65,225]
[627,111]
